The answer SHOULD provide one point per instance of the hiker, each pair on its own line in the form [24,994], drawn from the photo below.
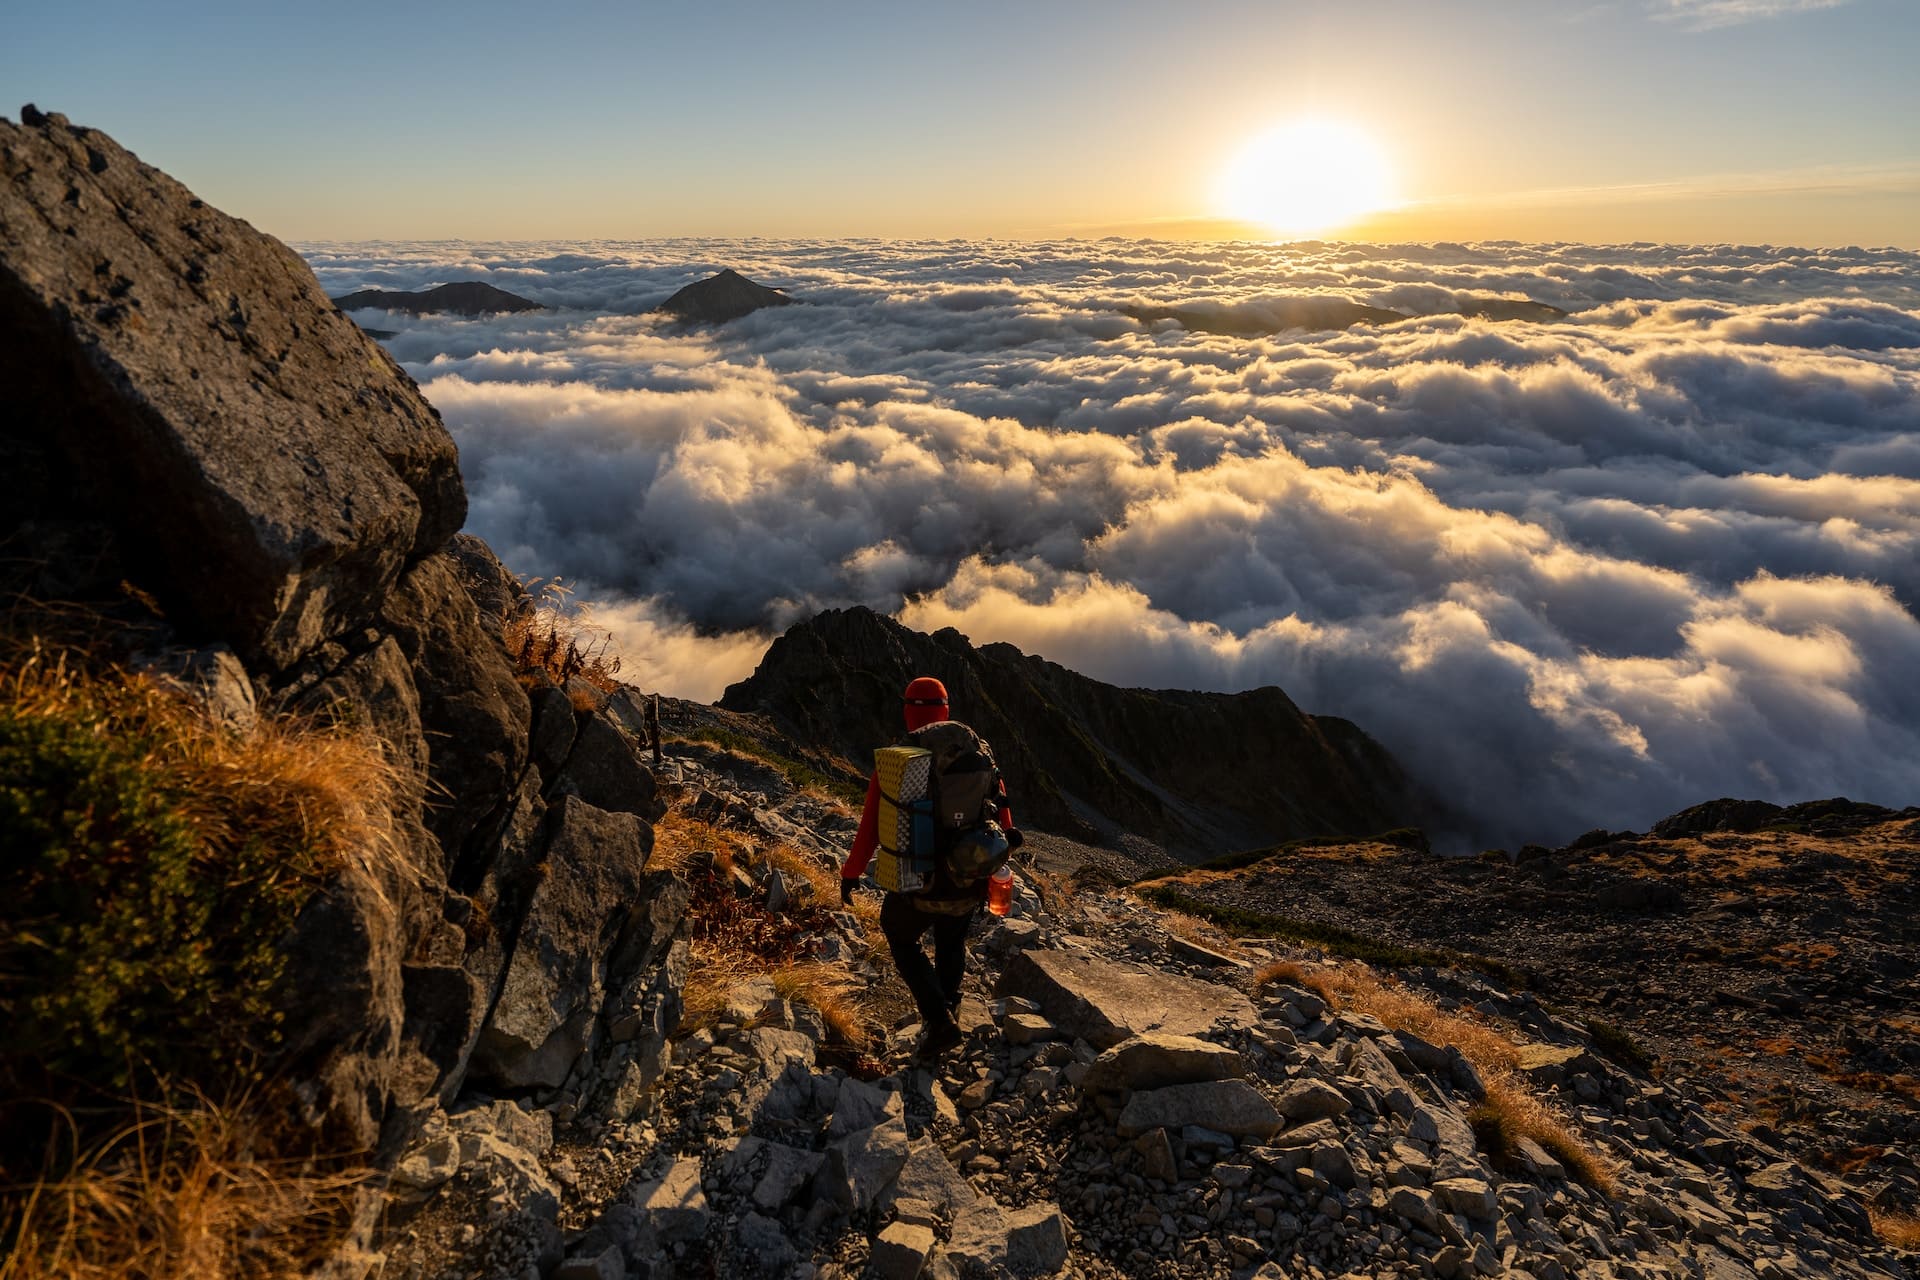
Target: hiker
[945,905]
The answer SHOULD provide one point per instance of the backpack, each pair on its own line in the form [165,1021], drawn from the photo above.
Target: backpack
[962,800]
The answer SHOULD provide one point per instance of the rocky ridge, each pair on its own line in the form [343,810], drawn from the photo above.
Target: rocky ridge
[1153,771]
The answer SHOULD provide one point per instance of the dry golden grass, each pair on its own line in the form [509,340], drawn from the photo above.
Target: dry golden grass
[297,783]
[1056,891]
[179,1193]
[1901,1230]
[553,635]
[833,991]
[678,835]
[1198,932]
[1510,1110]
[728,955]
[713,975]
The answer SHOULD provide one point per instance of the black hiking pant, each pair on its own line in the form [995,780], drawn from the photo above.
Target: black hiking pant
[935,984]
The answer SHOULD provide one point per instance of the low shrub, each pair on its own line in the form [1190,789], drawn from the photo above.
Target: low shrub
[798,773]
[1410,838]
[1617,1044]
[151,860]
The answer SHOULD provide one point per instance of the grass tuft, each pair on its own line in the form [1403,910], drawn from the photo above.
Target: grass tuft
[553,634]
[178,1192]
[1901,1230]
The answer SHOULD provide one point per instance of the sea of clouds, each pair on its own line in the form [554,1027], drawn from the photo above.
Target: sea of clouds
[1574,573]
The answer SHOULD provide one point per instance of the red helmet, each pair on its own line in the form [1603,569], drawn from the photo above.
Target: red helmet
[925,691]
[926,702]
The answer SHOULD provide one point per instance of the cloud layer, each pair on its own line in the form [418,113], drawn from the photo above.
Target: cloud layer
[1575,572]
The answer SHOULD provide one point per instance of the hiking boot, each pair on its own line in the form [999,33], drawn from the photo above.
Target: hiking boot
[940,1039]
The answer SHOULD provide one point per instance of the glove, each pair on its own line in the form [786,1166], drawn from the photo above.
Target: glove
[846,892]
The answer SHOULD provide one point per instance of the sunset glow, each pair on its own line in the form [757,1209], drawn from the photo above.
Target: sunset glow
[1307,177]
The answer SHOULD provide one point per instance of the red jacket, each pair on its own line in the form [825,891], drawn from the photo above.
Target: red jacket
[867,839]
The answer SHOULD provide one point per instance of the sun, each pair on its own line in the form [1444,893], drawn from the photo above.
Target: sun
[1307,177]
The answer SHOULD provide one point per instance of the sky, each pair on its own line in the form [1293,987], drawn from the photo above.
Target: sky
[1747,121]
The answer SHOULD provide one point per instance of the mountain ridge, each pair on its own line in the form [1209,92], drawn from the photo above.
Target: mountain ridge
[1087,759]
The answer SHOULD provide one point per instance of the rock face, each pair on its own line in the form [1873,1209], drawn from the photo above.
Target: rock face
[720,298]
[464,298]
[577,924]
[1200,772]
[188,411]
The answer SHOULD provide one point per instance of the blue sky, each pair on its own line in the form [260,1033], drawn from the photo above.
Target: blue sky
[1783,120]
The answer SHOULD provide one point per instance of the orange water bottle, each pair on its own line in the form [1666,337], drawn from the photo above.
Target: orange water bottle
[1000,891]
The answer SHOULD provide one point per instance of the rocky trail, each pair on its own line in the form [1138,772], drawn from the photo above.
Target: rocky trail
[1127,1103]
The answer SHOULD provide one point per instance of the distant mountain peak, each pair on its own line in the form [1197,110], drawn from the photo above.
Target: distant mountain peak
[723,296]
[462,297]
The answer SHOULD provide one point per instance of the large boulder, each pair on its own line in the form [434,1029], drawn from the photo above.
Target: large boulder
[1156,1059]
[1028,1241]
[345,1003]
[1104,1002]
[604,769]
[182,394]
[580,918]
